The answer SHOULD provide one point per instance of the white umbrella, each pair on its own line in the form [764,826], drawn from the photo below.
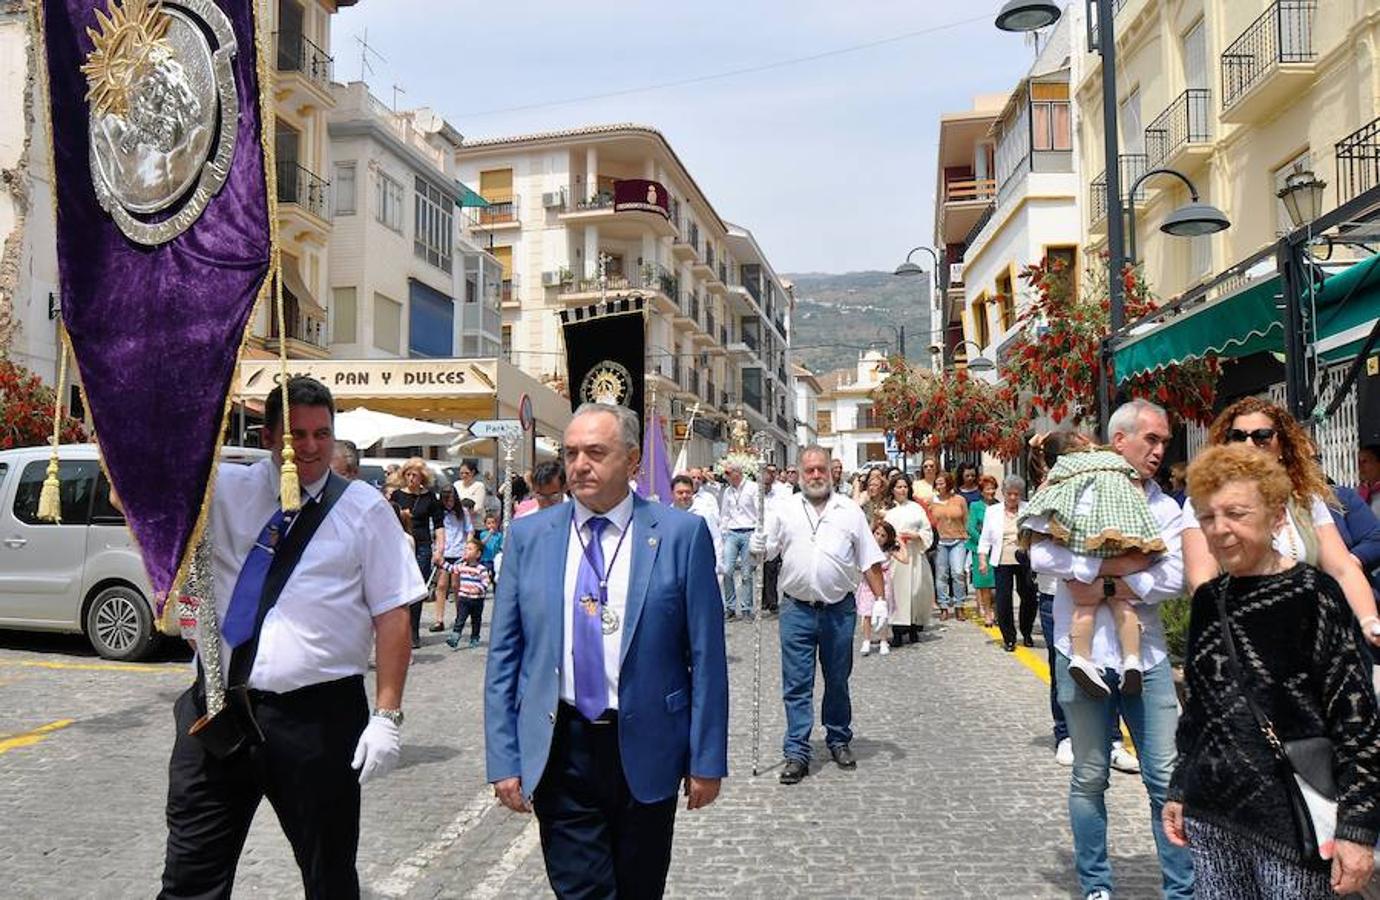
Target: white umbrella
[367,427]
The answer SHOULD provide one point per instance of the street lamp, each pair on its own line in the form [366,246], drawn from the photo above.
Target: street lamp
[900,332]
[978,363]
[1029,15]
[1303,196]
[1190,220]
[909,269]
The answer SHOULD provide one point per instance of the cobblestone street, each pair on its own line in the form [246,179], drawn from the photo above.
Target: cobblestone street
[956,793]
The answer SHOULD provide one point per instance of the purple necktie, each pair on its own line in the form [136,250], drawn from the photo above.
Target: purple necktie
[587,632]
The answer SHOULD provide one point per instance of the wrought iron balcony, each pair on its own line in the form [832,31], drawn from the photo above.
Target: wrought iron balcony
[498,212]
[1358,161]
[1186,121]
[1132,166]
[297,54]
[302,187]
[1283,35]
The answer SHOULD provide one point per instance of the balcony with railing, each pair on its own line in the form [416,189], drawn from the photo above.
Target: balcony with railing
[508,291]
[306,332]
[300,187]
[686,243]
[297,56]
[1358,161]
[1132,166]
[499,214]
[1269,61]
[1183,132]
[969,189]
[649,277]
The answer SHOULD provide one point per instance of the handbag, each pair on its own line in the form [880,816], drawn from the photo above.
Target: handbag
[1311,787]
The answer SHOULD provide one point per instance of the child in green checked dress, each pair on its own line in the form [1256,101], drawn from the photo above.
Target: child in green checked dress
[1092,502]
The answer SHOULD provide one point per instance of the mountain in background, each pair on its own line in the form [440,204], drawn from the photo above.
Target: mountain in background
[839,316]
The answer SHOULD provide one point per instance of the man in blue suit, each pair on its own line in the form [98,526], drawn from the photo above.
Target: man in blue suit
[607,681]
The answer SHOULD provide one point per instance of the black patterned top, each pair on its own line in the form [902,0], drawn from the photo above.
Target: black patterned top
[1300,648]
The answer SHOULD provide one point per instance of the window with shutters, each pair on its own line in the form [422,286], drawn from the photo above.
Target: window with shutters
[432,239]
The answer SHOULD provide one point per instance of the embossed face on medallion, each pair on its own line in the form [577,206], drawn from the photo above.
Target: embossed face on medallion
[163,112]
[607,382]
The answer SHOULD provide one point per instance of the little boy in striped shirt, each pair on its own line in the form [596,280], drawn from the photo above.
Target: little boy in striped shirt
[471,580]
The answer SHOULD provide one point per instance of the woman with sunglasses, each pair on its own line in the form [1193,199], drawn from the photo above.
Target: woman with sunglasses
[1308,533]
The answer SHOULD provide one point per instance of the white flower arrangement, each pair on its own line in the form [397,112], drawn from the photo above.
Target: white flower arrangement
[747,462]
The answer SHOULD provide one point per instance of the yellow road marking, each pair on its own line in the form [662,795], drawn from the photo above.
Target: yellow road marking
[29,738]
[155,669]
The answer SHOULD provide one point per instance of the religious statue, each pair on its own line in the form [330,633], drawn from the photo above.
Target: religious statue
[739,434]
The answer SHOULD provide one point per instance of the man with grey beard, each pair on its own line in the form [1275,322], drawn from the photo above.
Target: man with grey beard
[826,549]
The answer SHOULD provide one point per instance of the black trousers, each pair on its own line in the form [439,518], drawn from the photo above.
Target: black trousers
[771,595]
[469,609]
[303,768]
[1017,577]
[598,840]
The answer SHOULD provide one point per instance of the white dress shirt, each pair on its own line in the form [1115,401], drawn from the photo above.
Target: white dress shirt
[620,569]
[358,565]
[707,508]
[779,489]
[738,505]
[1162,581]
[823,554]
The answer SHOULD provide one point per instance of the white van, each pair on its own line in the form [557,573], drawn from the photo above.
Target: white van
[85,574]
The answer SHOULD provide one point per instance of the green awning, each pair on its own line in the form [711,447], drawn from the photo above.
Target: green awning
[468,197]
[1238,324]
[1348,305]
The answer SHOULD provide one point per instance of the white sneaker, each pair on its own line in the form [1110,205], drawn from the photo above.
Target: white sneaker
[1132,678]
[883,648]
[1088,678]
[1124,760]
[866,648]
[1063,754]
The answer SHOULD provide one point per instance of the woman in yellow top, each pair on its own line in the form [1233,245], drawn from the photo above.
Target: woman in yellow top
[949,512]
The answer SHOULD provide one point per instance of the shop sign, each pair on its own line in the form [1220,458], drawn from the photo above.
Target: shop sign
[376,378]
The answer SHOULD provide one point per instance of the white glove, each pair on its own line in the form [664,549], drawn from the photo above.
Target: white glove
[378,749]
[757,544]
[880,614]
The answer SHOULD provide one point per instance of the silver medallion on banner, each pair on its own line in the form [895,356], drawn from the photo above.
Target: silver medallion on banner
[163,111]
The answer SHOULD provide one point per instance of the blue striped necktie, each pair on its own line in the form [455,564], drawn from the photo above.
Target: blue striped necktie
[238,626]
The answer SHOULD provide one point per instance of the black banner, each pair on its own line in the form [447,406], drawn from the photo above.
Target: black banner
[605,353]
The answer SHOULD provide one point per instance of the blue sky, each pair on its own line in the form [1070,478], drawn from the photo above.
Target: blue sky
[829,162]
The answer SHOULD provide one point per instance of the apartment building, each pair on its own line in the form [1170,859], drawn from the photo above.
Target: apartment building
[964,200]
[718,315]
[807,393]
[1242,97]
[845,423]
[407,277]
[1034,215]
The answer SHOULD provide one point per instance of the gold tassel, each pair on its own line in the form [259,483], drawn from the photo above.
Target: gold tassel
[50,498]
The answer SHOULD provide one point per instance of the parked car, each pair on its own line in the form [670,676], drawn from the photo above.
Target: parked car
[83,575]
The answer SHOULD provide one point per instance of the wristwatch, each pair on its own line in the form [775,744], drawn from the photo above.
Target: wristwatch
[393,715]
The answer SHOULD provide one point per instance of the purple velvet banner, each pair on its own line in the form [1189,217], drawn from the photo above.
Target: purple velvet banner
[654,475]
[156,328]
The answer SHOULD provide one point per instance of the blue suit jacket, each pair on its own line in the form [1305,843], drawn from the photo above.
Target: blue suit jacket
[673,680]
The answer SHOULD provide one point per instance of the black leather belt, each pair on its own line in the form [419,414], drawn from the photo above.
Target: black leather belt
[570,713]
[819,604]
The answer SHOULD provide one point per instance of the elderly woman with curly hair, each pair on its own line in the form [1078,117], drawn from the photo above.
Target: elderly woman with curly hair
[1272,656]
[1307,532]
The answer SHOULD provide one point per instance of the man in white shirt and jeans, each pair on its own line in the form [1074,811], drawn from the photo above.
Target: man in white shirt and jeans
[303,659]
[1139,432]
[826,549]
[737,518]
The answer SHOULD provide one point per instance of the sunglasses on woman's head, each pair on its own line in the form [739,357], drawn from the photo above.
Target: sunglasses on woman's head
[1255,435]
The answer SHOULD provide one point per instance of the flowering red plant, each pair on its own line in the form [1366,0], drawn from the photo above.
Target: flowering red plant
[927,411]
[1051,365]
[26,410]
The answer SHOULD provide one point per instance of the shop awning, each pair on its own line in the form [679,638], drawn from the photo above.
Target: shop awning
[1239,323]
[294,285]
[469,197]
[1348,305]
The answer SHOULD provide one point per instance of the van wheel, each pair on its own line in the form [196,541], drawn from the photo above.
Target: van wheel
[119,624]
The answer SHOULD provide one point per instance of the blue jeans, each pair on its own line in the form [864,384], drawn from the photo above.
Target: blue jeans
[1152,718]
[951,562]
[806,632]
[1061,730]
[736,556]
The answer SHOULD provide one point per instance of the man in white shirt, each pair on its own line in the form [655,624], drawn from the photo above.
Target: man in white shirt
[683,496]
[606,689]
[773,484]
[1139,432]
[826,548]
[298,636]
[737,517]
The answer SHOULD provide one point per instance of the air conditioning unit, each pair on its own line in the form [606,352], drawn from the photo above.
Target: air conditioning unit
[552,199]
[550,279]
